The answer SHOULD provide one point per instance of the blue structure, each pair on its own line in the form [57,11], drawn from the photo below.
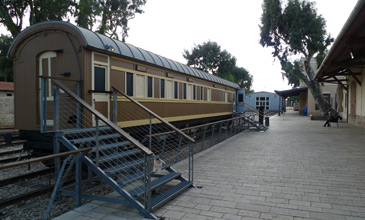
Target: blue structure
[240,100]
[270,101]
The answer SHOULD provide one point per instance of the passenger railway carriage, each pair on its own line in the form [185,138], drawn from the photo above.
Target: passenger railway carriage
[91,64]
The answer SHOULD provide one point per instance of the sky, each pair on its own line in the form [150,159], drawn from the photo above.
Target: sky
[168,27]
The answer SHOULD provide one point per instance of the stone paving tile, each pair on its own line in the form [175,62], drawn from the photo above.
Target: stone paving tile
[296,170]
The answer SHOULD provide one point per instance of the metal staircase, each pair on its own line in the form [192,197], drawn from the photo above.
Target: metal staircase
[252,122]
[133,164]
[251,119]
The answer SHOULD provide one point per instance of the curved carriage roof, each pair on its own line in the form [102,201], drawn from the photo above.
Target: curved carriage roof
[101,42]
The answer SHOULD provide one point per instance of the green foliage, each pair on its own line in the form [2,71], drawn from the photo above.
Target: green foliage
[6,64]
[209,57]
[103,16]
[292,71]
[112,15]
[13,12]
[295,30]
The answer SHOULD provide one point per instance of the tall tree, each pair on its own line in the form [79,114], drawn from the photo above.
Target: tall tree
[108,17]
[297,34]
[6,64]
[210,58]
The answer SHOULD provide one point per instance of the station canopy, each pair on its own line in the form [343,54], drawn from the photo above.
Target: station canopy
[346,56]
[291,92]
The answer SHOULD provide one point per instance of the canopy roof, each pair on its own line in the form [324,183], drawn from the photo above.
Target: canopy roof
[347,55]
[118,48]
[291,92]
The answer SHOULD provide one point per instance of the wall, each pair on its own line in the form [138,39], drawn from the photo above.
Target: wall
[6,111]
[326,89]
[274,101]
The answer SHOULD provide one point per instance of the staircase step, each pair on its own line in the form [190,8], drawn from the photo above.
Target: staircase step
[93,138]
[169,194]
[131,178]
[118,155]
[156,183]
[84,130]
[124,166]
[111,146]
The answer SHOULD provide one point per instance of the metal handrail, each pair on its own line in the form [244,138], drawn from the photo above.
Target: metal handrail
[155,115]
[117,129]
[253,109]
[198,126]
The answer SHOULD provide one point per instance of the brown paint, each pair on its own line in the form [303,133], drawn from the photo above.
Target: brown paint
[156,88]
[117,79]
[353,100]
[100,58]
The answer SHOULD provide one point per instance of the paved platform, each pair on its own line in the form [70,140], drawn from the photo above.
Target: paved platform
[296,170]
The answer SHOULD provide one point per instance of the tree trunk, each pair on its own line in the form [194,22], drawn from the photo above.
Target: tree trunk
[315,88]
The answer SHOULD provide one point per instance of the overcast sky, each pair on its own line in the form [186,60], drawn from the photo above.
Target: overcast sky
[169,26]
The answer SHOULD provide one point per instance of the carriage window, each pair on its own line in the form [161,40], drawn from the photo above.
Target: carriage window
[201,93]
[184,90]
[130,84]
[162,88]
[194,92]
[240,97]
[149,87]
[176,89]
[99,79]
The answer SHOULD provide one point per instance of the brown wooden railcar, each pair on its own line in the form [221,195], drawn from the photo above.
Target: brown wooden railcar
[61,50]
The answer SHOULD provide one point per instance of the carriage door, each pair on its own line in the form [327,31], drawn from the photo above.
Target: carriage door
[240,100]
[101,88]
[353,100]
[46,67]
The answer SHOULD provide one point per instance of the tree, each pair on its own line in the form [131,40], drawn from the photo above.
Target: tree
[6,64]
[103,16]
[297,34]
[209,58]
[109,15]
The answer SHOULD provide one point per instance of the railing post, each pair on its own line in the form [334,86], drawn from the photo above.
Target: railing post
[43,105]
[191,158]
[232,124]
[205,130]
[227,129]
[79,108]
[220,131]
[56,116]
[163,146]
[115,106]
[97,140]
[150,133]
[78,180]
[147,183]
[179,149]
[239,125]
[212,138]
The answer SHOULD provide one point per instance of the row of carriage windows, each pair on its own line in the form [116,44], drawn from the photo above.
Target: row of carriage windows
[145,87]
[170,89]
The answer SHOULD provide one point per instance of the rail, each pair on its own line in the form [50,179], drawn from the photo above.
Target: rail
[45,158]
[33,180]
[117,129]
